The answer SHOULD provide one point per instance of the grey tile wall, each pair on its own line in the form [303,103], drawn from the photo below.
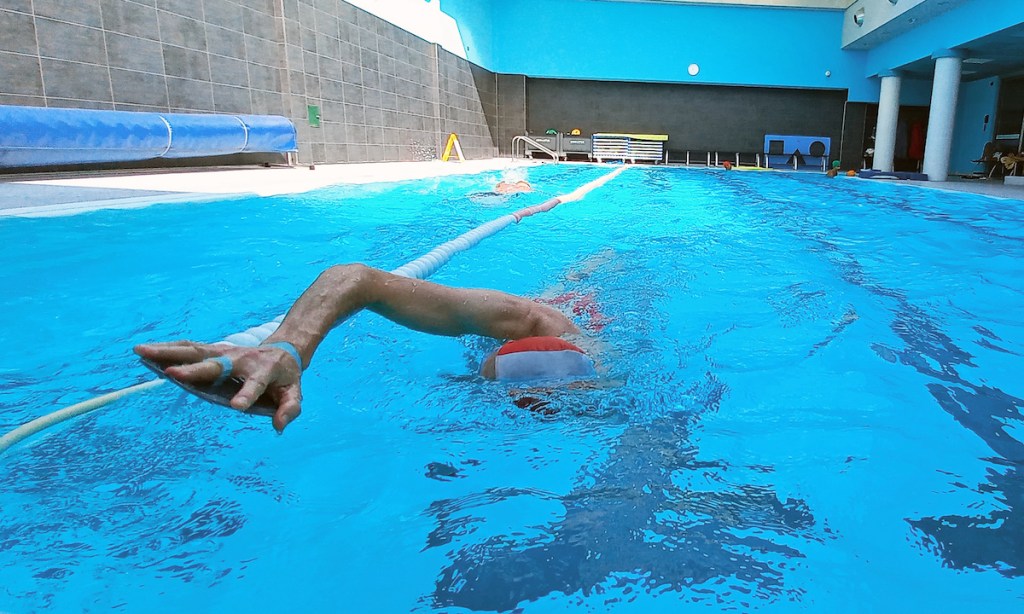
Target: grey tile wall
[375,84]
[696,117]
[158,55]
[384,94]
[469,100]
[511,110]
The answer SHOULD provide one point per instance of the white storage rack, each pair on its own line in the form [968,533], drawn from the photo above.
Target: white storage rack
[627,147]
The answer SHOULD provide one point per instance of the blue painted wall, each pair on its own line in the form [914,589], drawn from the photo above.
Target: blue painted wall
[915,92]
[474,19]
[581,39]
[977,99]
[733,45]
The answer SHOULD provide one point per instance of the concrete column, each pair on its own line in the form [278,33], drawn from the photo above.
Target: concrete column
[942,116]
[888,114]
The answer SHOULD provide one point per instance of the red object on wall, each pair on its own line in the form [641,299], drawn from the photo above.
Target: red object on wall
[915,148]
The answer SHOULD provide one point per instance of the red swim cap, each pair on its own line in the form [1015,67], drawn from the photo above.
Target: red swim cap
[541,358]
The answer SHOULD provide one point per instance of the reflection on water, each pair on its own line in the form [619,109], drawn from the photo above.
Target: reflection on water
[632,522]
[651,515]
[654,516]
[113,496]
[758,329]
[995,540]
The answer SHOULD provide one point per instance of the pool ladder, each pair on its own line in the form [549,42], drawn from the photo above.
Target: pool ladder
[525,140]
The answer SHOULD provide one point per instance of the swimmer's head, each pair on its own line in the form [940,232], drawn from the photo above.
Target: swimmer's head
[537,358]
[507,187]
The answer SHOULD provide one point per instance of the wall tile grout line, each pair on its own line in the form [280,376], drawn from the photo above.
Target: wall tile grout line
[283,61]
[209,63]
[319,84]
[163,59]
[106,55]
[39,56]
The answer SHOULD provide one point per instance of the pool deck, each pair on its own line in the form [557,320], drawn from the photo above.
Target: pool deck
[70,194]
[66,195]
[985,187]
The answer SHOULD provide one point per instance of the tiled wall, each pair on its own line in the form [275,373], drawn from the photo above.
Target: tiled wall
[511,110]
[376,84]
[164,55]
[468,103]
[384,94]
[695,117]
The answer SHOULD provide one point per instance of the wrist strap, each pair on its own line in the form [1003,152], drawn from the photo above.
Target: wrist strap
[226,367]
[284,345]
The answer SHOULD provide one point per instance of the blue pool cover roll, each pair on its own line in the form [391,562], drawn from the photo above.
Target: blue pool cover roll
[269,133]
[204,135]
[39,136]
[34,136]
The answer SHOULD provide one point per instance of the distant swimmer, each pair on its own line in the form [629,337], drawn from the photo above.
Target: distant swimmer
[512,187]
[499,195]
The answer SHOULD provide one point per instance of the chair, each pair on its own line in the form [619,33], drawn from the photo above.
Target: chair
[990,158]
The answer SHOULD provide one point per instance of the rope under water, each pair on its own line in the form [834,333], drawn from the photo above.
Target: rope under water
[420,268]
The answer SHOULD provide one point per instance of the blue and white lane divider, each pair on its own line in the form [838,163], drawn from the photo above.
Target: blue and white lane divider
[420,268]
[428,264]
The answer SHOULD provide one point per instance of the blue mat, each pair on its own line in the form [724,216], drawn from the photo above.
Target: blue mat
[872,174]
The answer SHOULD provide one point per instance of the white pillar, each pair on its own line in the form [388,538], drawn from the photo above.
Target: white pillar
[885,129]
[941,117]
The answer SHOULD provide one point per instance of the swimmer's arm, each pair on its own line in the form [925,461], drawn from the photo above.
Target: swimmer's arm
[337,294]
[344,290]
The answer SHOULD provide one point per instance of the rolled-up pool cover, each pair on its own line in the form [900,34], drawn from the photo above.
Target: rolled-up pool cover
[39,136]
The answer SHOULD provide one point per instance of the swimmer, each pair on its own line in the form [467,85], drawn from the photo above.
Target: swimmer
[539,340]
[512,187]
[501,193]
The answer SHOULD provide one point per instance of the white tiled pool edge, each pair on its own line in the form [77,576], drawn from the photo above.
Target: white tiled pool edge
[204,185]
[61,209]
[218,184]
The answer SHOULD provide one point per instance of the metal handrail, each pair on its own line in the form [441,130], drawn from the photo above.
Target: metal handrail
[527,140]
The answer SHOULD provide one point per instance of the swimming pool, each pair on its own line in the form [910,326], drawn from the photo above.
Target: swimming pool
[813,402]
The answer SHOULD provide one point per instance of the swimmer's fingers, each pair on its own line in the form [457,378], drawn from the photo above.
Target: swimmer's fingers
[289,406]
[197,373]
[254,386]
[175,352]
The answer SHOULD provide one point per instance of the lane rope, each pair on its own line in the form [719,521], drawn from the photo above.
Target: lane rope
[420,268]
[39,424]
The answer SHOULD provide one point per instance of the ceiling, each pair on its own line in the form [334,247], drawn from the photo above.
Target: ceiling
[812,4]
[1000,54]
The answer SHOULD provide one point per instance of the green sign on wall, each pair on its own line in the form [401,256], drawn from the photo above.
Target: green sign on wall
[314,115]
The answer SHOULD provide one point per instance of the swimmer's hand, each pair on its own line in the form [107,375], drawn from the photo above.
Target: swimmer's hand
[264,370]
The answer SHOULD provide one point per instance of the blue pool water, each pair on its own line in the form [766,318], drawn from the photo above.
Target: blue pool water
[813,402]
